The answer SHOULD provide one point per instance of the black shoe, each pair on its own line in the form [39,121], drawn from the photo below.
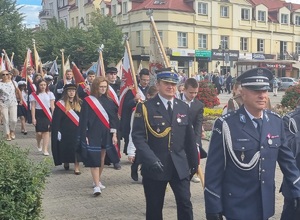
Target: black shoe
[117,166]
[66,166]
[134,172]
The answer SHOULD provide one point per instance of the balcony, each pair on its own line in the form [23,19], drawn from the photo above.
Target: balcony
[287,56]
[46,14]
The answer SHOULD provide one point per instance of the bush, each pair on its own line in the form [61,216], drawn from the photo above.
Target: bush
[281,110]
[210,113]
[208,94]
[21,184]
[291,97]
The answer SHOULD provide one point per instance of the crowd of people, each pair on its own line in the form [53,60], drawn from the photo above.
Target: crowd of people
[161,127]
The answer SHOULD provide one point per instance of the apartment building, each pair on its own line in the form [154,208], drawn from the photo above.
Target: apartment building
[211,35]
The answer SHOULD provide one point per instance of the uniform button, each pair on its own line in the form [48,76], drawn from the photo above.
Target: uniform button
[262,182]
[243,148]
[229,194]
[262,147]
[263,170]
[172,134]
[263,158]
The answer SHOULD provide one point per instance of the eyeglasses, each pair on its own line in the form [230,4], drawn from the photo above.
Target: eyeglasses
[5,74]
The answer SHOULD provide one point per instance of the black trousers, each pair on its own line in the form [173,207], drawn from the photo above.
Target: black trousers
[155,193]
[288,212]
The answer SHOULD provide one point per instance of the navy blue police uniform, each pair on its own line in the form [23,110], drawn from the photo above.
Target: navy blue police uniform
[167,151]
[291,126]
[241,162]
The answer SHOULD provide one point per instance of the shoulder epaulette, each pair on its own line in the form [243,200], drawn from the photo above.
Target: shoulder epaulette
[273,113]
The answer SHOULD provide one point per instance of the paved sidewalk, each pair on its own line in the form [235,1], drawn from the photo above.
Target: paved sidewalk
[68,196]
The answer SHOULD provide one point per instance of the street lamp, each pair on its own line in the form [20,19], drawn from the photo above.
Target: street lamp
[225,56]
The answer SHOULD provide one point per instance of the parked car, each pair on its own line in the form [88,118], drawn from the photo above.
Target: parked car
[287,82]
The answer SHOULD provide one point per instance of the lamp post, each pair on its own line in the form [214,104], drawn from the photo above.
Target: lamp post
[225,57]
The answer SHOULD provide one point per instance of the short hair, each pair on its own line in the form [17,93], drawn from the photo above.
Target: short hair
[144,71]
[152,91]
[91,72]
[191,82]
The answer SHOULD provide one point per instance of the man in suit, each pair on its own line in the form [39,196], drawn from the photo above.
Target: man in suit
[243,151]
[111,75]
[165,143]
[196,114]
[60,84]
[291,126]
[85,88]
[130,101]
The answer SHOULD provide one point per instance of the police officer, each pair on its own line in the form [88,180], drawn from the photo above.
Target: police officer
[166,146]
[241,162]
[291,127]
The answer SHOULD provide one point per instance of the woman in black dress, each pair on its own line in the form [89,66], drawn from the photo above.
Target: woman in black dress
[98,129]
[65,129]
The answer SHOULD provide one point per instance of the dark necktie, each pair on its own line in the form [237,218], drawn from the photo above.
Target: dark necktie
[259,124]
[170,111]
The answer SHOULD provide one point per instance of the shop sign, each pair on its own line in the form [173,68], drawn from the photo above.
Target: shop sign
[183,52]
[258,56]
[245,56]
[220,55]
[203,53]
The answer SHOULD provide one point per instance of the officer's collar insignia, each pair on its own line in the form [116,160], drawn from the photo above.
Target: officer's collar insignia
[267,117]
[242,118]
[157,103]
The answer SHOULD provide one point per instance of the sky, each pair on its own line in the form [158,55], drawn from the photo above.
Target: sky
[31,9]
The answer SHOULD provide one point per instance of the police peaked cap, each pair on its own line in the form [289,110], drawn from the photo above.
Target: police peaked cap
[111,70]
[70,86]
[167,75]
[256,79]
[21,83]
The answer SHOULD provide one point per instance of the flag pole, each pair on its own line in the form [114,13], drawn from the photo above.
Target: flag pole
[12,57]
[2,55]
[100,49]
[35,57]
[10,67]
[131,64]
[150,14]
[63,65]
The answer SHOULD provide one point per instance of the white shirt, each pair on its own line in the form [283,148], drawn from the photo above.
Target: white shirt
[45,97]
[165,101]
[251,117]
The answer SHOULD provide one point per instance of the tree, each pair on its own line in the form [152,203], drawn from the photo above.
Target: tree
[14,37]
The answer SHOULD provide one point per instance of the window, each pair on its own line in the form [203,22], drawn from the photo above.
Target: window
[245,14]
[202,8]
[284,18]
[260,45]
[202,41]
[124,9]
[297,48]
[102,11]
[284,46]
[261,16]
[244,43]
[182,39]
[114,10]
[224,42]
[76,2]
[138,38]
[297,20]
[160,33]
[224,11]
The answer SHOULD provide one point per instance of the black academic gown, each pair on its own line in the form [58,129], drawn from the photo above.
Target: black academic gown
[65,150]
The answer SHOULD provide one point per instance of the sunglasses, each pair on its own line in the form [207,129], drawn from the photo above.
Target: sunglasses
[5,74]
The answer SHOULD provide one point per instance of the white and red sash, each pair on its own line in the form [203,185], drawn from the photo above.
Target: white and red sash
[98,109]
[45,110]
[83,87]
[113,95]
[71,113]
[24,103]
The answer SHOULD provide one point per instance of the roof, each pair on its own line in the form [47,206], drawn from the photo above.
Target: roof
[175,5]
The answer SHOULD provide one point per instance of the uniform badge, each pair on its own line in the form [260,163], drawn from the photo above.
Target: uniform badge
[137,115]
[158,130]
[242,118]
[178,120]
[163,123]
[242,156]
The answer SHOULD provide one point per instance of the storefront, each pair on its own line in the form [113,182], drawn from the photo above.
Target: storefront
[224,60]
[184,58]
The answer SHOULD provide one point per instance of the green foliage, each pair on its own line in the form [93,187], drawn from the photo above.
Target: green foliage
[21,184]
[14,36]
[207,94]
[291,97]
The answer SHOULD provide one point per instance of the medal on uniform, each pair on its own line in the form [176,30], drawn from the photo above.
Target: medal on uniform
[242,156]
[178,120]
[269,139]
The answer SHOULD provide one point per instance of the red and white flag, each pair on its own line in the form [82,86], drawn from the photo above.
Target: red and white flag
[77,74]
[127,81]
